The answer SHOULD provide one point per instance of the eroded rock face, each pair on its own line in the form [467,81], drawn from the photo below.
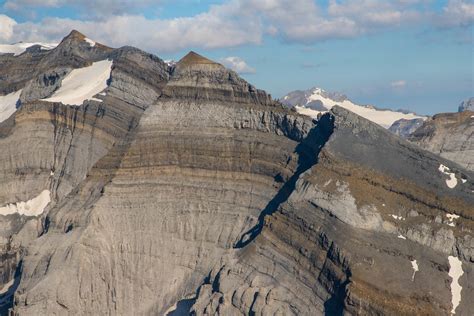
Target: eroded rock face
[404,128]
[449,135]
[187,188]
[348,233]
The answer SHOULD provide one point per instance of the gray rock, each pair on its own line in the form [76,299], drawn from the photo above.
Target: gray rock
[186,185]
[466,105]
[404,128]
[450,136]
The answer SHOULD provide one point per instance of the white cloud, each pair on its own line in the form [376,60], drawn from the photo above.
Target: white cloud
[398,84]
[232,23]
[457,13]
[237,64]
[91,8]
[6,28]
[207,30]
[370,13]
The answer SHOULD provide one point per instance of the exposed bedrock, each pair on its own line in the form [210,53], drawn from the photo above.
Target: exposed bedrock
[52,146]
[186,187]
[347,239]
[194,179]
[450,135]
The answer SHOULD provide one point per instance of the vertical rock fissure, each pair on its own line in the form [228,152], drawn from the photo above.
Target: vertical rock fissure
[6,299]
[308,151]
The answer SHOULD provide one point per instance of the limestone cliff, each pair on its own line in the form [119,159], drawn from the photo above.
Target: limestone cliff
[450,135]
[185,189]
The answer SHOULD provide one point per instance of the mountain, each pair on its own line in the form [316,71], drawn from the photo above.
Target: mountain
[314,101]
[450,135]
[404,128]
[132,187]
[20,48]
[466,105]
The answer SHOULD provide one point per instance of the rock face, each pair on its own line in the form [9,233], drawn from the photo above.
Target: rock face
[467,105]
[184,189]
[449,135]
[404,128]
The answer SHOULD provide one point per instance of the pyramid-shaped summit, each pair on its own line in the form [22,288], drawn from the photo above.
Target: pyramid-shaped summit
[74,36]
[76,39]
[193,58]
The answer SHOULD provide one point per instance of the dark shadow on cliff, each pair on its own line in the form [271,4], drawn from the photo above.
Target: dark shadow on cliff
[334,306]
[183,307]
[308,152]
[6,298]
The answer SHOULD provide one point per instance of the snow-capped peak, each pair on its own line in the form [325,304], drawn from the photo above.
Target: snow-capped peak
[314,101]
[170,62]
[19,48]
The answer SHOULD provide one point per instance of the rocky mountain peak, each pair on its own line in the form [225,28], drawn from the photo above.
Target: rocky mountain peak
[193,58]
[335,96]
[74,34]
[76,38]
[198,77]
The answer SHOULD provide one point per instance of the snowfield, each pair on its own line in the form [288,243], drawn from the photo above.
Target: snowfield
[8,104]
[452,181]
[385,118]
[455,272]
[33,207]
[83,84]
[414,265]
[20,48]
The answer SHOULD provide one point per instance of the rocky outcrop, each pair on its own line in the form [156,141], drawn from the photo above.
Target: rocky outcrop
[185,189]
[404,128]
[449,135]
[348,234]
[466,105]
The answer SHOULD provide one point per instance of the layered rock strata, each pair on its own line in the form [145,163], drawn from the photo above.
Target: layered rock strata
[185,189]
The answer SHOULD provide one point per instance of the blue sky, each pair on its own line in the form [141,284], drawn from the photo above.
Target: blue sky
[410,54]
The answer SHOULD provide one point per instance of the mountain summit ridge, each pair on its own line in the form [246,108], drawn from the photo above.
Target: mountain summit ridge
[314,101]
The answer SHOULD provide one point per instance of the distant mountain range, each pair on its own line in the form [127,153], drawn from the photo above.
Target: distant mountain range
[21,47]
[314,101]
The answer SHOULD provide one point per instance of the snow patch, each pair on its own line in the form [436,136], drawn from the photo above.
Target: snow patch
[414,265]
[385,118]
[400,218]
[170,62]
[33,207]
[20,48]
[309,112]
[401,237]
[463,180]
[452,181]
[8,104]
[83,84]
[451,218]
[455,272]
[90,42]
